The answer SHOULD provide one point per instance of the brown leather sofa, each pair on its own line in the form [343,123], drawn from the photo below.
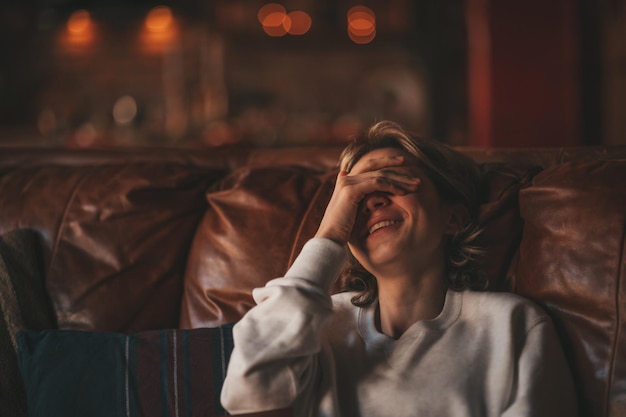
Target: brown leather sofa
[157,239]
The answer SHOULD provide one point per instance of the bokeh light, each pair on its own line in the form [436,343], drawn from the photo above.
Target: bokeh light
[300,22]
[268,9]
[361,24]
[85,136]
[125,110]
[159,19]
[80,29]
[79,22]
[160,30]
[276,24]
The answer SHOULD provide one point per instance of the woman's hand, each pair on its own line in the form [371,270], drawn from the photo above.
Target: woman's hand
[373,175]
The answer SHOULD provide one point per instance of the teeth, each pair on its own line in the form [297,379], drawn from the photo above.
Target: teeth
[382,224]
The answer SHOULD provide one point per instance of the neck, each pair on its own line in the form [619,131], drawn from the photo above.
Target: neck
[406,300]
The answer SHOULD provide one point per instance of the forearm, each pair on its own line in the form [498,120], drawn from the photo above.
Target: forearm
[277,343]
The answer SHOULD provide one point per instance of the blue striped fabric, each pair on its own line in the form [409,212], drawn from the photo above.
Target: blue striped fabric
[177,373]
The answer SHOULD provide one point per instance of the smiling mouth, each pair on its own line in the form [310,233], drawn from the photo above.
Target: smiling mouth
[382,224]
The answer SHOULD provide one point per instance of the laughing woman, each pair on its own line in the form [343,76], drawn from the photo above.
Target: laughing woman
[412,335]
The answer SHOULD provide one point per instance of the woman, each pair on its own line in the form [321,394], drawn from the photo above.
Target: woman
[412,338]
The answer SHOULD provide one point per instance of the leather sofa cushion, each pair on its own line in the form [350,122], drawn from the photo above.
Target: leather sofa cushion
[500,219]
[116,238]
[571,260]
[257,221]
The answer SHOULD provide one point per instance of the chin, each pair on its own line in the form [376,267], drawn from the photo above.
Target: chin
[377,258]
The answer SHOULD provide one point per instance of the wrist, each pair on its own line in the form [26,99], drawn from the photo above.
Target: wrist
[333,235]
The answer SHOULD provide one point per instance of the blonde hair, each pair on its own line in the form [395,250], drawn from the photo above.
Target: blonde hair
[455,177]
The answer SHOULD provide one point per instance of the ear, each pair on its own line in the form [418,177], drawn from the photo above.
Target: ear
[458,217]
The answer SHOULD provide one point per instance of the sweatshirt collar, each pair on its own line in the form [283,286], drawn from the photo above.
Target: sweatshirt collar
[375,339]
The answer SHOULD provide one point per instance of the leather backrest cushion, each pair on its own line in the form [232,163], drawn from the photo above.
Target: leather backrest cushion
[257,221]
[255,224]
[35,198]
[500,219]
[116,237]
[571,260]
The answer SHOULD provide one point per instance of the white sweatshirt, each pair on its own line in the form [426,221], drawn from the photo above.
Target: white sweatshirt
[486,354]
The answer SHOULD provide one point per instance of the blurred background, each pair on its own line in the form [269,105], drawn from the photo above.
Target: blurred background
[204,73]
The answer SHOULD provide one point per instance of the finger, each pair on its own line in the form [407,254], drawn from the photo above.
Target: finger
[396,185]
[373,164]
[398,173]
[365,184]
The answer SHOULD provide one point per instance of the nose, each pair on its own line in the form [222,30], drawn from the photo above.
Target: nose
[374,201]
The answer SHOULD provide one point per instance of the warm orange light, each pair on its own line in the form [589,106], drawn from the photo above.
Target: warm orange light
[275,19]
[276,24]
[361,39]
[80,33]
[160,30]
[79,22]
[159,19]
[361,27]
[268,9]
[300,23]
[361,24]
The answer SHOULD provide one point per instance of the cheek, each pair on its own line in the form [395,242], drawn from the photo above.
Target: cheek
[360,219]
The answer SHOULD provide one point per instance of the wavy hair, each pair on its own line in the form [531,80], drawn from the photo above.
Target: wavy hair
[455,177]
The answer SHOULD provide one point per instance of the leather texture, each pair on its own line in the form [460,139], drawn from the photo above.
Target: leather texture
[571,261]
[256,222]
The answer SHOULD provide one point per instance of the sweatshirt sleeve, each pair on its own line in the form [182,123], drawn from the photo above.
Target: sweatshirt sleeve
[544,386]
[274,363]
